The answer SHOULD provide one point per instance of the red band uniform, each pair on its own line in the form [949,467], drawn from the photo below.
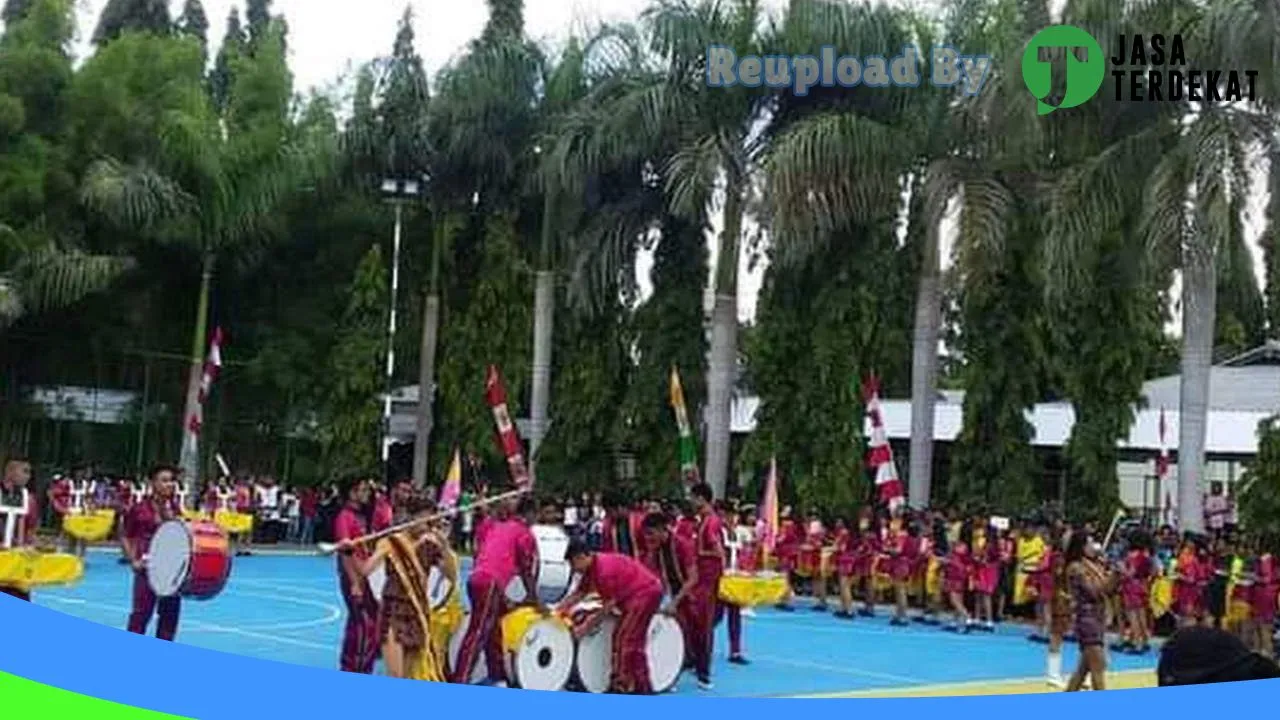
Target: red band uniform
[505,549]
[140,525]
[637,594]
[360,644]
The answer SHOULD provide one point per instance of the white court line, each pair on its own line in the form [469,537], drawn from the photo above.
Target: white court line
[840,669]
[198,626]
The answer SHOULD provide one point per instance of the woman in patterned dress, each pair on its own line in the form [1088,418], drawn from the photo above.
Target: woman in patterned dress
[1090,582]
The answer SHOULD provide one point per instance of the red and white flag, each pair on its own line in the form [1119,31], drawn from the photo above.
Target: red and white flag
[1162,471]
[212,365]
[879,452]
[767,525]
[495,394]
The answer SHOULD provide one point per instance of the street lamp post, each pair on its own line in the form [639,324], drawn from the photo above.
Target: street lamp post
[397,192]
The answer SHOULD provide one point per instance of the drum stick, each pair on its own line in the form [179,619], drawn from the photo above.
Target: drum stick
[226,471]
[327,548]
[1115,521]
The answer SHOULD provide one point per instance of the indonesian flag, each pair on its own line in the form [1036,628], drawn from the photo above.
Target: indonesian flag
[688,452]
[768,522]
[212,366]
[452,489]
[1162,471]
[880,453]
[495,394]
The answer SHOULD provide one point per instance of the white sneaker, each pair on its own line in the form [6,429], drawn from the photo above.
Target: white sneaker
[748,612]
[705,685]
[1056,681]
[1053,671]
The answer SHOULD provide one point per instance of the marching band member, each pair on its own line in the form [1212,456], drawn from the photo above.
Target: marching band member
[955,580]
[1135,593]
[815,537]
[242,503]
[359,639]
[1089,583]
[620,533]
[60,500]
[627,586]
[1035,558]
[384,512]
[209,500]
[1262,599]
[673,559]
[904,549]
[1188,579]
[709,552]
[1057,598]
[845,561]
[787,548]
[986,575]
[226,495]
[867,552]
[19,514]
[140,525]
[731,613]
[504,551]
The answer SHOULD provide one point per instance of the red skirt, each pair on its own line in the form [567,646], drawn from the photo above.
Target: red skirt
[1262,599]
[787,558]
[985,579]
[862,564]
[845,565]
[1186,599]
[900,568]
[1135,595]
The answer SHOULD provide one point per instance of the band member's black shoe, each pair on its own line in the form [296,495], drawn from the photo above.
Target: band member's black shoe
[739,660]
[950,628]
[839,613]
[1038,638]
[922,619]
[819,608]
[899,622]
[784,608]
[1121,647]
[866,613]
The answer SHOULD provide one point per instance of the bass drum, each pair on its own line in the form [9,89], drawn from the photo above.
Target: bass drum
[664,649]
[480,672]
[556,578]
[593,664]
[538,651]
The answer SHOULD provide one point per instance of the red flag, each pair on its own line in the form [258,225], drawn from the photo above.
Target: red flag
[508,438]
[879,452]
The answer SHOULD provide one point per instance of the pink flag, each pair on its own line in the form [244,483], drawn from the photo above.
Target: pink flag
[879,452]
[452,489]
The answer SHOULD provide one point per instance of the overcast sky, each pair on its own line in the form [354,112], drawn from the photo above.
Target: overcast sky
[328,38]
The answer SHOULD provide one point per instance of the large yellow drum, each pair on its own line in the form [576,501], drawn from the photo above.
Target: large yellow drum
[933,577]
[539,650]
[233,522]
[26,569]
[752,590]
[90,527]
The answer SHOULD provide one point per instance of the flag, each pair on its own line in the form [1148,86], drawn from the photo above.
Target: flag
[688,452]
[191,438]
[768,522]
[1162,472]
[879,452]
[495,394]
[452,489]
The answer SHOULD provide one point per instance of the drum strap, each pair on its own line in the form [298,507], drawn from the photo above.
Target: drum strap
[13,513]
[671,569]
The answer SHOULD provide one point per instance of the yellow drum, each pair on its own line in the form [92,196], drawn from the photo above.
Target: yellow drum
[539,650]
[752,590]
[880,572]
[90,527]
[26,569]
[1161,597]
[195,515]
[233,522]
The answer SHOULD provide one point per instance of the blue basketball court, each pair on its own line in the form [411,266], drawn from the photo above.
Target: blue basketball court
[287,608]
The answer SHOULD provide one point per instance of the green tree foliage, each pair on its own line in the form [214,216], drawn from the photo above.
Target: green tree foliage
[350,424]
[668,332]
[258,15]
[122,16]
[488,314]
[1259,501]
[234,43]
[193,22]
[14,10]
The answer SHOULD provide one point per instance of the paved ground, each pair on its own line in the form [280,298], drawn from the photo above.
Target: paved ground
[286,607]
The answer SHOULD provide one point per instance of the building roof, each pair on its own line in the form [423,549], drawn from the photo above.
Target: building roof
[1248,388]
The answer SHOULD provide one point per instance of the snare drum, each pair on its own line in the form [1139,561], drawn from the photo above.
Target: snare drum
[539,651]
[191,560]
[480,671]
[664,650]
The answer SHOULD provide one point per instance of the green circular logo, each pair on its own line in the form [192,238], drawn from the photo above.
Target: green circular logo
[1084,77]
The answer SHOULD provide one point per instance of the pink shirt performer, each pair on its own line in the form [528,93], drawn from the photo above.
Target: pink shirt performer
[624,585]
[360,642]
[505,550]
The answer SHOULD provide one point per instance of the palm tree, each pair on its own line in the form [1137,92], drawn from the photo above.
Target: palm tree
[213,184]
[716,150]
[824,169]
[37,276]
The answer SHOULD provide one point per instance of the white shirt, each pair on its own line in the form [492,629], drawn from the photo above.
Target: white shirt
[290,502]
[10,518]
[571,516]
[1215,511]
[269,500]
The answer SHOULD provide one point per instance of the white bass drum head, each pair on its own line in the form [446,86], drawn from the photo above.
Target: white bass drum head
[594,661]
[544,659]
[665,652]
[169,559]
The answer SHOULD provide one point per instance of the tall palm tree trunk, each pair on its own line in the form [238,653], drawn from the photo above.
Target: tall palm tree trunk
[924,368]
[1199,304]
[190,458]
[722,368]
[427,361]
[543,322]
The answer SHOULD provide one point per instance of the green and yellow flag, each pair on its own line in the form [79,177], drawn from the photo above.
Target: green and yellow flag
[688,452]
